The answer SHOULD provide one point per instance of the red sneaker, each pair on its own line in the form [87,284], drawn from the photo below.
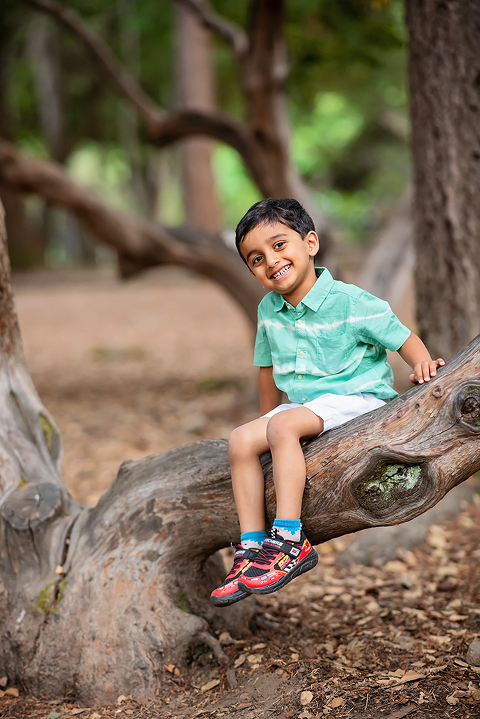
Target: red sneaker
[278,562]
[228,592]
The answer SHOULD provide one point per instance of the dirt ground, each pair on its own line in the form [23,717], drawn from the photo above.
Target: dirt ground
[132,369]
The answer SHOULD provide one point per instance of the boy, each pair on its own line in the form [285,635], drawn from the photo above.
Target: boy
[322,343]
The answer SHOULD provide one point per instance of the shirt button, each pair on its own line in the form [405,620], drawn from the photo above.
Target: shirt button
[304,399]
[301,352]
[299,322]
[300,376]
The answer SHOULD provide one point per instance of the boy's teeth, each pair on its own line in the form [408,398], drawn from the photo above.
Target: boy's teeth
[281,272]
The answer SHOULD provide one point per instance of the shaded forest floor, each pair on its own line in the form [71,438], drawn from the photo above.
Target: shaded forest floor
[127,370]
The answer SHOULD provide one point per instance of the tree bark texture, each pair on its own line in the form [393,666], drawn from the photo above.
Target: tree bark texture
[444,74]
[139,243]
[95,601]
[195,90]
[263,139]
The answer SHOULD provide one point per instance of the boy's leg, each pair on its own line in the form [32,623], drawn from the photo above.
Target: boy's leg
[287,553]
[246,445]
[284,432]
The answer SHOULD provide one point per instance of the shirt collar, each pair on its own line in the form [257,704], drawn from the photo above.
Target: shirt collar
[314,298]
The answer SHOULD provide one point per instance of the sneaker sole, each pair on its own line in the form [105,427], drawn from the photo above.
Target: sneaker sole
[305,565]
[229,599]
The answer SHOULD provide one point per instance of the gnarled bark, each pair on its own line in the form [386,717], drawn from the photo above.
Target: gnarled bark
[94,601]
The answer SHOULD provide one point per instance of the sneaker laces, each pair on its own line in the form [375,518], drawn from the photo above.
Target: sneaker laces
[237,560]
[266,555]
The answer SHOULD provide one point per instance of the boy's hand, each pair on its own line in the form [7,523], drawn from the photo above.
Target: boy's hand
[424,370]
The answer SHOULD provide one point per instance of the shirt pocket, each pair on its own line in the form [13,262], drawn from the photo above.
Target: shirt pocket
[334,351]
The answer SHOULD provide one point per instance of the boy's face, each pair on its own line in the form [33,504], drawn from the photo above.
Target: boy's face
[280,260]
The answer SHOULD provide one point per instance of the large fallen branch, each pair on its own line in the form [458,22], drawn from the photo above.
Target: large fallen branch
[94,602]
[139,243]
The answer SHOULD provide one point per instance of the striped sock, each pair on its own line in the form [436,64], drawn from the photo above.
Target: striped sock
[252,540]
[289,529]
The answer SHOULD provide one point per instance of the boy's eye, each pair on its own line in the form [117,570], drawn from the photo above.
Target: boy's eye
[280,244]
[256,259]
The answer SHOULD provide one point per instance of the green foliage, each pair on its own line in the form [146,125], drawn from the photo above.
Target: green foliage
[346,97]
[50,597]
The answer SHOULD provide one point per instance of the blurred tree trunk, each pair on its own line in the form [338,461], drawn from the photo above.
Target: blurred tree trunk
[27,245]
[444,74]
[44,55]
[195,90]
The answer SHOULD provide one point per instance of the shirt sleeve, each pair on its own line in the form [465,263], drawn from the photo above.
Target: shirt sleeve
[377,324]
[262,356]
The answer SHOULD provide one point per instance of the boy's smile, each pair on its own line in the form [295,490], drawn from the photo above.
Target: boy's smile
[280,260]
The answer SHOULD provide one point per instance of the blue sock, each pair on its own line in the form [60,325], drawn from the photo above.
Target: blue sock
[252,540]
[289,529]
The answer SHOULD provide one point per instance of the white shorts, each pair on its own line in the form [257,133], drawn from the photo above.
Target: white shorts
[335,409]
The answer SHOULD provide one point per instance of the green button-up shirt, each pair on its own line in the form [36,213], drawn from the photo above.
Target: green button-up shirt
[333,341]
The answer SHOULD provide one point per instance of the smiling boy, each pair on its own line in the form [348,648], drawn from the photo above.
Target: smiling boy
[322,342]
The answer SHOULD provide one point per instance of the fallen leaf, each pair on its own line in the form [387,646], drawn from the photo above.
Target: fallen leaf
[411,676]
[54,715]
[225,638]
[294,657]
[239,661]
[2,693]
[254,658]
[461,664]
[79,710]
[13,691]
[3,682]
[306,698]
[176,671]
[258,646]
[95,715]
[169,667]
[457,617]
[397,673]
[452,700]
[337,702]
[209,685]
[121,698]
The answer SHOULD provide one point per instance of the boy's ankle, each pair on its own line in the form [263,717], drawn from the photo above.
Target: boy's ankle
[252,540]
[288,529]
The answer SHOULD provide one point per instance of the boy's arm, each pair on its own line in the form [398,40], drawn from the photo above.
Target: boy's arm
[414,352]
[270,395]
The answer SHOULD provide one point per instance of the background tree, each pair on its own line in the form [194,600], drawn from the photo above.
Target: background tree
[444,73]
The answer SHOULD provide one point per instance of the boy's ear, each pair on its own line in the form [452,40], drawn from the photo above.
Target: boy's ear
[313,244]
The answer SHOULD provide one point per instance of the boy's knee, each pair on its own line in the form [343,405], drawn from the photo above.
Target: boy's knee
[241,441]
[280,428]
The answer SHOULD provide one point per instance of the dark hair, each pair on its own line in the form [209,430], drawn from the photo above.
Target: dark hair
[287,211]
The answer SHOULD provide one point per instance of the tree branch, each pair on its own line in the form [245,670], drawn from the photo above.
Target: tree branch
[229,31]
[123,81]
[140,243]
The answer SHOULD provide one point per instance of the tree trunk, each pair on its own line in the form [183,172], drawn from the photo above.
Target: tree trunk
[195,90]
[444,71]
[94,602]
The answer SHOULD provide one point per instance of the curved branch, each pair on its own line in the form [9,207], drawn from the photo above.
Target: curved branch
[140,243]
[229,31]
[124,82]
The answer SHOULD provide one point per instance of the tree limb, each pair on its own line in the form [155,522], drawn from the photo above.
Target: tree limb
[140,243]
[229,31]
[123,81]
